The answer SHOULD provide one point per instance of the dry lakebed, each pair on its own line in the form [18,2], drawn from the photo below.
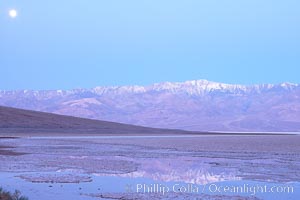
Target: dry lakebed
[152,167]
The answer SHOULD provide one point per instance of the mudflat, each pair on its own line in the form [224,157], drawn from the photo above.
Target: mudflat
[179,158]
[255,157]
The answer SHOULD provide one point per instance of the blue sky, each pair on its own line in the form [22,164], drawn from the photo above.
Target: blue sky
[82,44]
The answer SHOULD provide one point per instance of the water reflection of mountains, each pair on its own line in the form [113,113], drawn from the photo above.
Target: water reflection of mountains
[178,172]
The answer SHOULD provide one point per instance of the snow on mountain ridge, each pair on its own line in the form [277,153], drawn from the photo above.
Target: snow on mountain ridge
[190,105]
[192,87]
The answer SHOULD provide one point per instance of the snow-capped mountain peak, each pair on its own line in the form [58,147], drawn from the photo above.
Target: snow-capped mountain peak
[192,87]
[191,105]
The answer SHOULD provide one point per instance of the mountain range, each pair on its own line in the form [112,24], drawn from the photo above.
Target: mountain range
[197,105]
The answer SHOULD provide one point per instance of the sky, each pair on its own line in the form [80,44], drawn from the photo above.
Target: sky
[82,44]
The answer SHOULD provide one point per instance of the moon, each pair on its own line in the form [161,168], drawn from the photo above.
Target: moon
[13,13]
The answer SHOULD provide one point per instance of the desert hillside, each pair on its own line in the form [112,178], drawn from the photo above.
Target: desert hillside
[14,120]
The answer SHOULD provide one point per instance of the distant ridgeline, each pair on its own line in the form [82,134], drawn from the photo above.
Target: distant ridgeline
[193,105]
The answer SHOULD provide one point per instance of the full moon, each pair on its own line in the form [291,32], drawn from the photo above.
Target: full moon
[13,13]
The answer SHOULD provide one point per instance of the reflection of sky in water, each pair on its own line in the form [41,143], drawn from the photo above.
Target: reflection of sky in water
[114,184]
[154,166]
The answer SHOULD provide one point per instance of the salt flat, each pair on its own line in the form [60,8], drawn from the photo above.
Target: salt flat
[194,159]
